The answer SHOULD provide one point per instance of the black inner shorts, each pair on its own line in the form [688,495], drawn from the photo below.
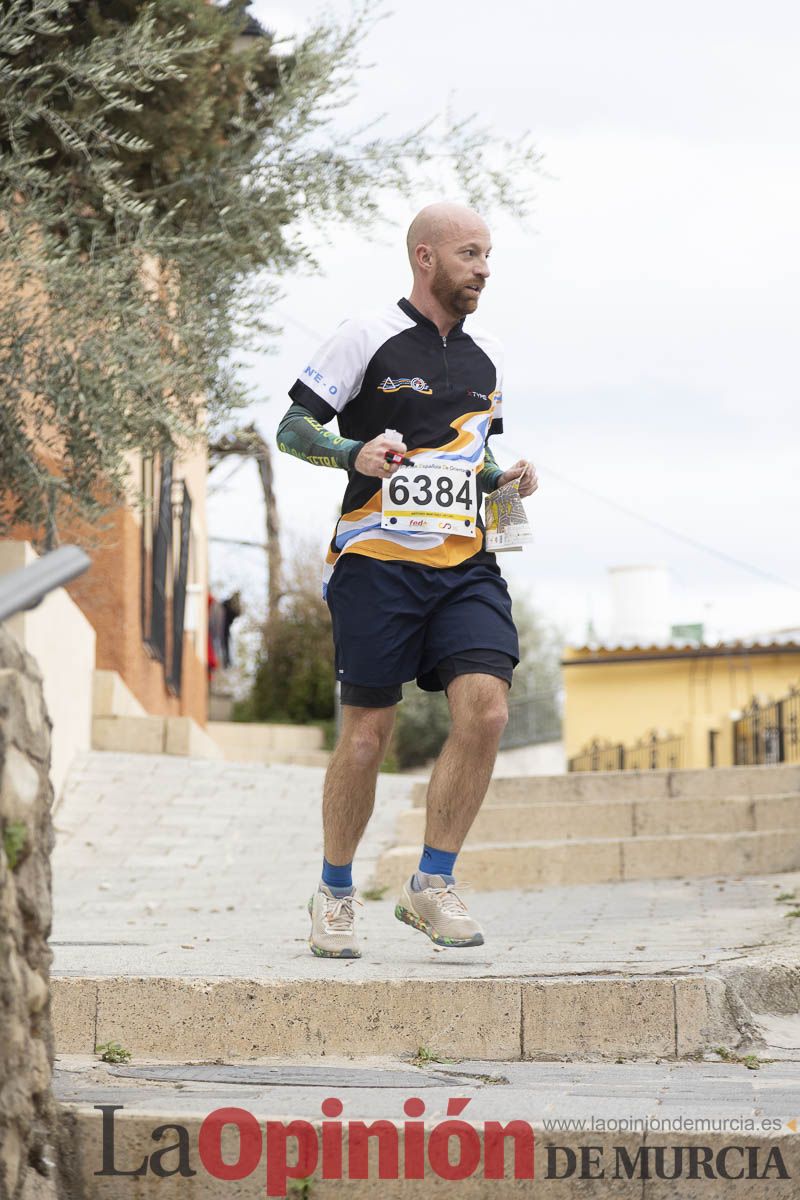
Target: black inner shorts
[466,662]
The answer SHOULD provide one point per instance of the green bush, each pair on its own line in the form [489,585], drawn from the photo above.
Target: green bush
[423,723]
[294,674]
[15,835]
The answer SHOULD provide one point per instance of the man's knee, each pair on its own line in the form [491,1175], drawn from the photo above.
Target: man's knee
[366,735]
[490,722]
[479,705]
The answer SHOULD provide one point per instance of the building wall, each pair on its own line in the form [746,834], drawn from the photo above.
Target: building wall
[62,642]
[109,594]
[625,701]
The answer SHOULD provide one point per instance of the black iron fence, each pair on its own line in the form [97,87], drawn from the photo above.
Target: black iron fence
[532,719]
[651,753]
[166,533]
[768,733]
[182,512]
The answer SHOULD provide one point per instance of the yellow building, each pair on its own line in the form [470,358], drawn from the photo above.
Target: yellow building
[675,705]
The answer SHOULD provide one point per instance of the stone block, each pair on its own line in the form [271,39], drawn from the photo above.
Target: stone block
[607,1017]
[777,812]
[25,720]
[196,1018]
[130,735]
[73,1008]
[19,788]
[693,815]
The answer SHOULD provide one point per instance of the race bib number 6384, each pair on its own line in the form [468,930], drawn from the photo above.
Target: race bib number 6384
[430,498]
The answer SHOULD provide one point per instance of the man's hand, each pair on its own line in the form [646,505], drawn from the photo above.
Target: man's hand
[371,460]
[525,472]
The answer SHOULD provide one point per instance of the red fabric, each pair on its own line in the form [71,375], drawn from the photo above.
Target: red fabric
[212,660]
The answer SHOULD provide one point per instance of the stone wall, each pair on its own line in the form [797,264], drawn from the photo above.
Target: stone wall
[27,1110]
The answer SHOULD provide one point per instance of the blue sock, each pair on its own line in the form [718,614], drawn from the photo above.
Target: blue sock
[435,862]
[338,879]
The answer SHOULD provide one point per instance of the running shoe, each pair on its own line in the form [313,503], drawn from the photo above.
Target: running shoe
[333,925]
[439,911]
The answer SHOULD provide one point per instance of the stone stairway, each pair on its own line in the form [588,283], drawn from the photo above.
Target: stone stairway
[180,932]
[605,827]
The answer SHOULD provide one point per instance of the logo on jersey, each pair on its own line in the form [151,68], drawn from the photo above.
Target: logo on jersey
[395,385]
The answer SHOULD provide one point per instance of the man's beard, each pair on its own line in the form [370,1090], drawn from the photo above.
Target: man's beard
[453,297]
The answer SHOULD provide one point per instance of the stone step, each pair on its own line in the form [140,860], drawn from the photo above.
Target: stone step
[256,741]
[616,819]
[544,863]
[545,1017]
[640,785]
[180,736]
[584,1129]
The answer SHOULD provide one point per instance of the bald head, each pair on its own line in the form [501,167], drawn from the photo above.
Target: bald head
[438,224]
[449,247]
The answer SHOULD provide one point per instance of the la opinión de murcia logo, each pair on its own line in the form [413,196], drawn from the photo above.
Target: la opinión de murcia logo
[453,1149]
[327,1151]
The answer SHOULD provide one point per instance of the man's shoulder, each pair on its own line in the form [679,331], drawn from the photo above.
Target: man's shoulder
[370,328]
[487,341]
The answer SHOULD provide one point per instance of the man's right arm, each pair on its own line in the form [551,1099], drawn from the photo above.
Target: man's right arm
[301,434]
[321,391]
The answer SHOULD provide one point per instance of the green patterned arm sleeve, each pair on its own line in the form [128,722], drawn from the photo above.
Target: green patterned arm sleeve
[301,434]
[490,472]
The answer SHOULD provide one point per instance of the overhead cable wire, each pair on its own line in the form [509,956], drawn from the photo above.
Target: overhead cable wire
[628,512]
[659,525]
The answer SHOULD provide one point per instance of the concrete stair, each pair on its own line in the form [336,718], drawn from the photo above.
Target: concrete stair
[257,742]
[180,932]
[722,782]
[121,725]
[615,826]
[512,1018]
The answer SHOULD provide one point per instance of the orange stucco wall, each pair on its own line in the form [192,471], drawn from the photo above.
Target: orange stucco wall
[108,595]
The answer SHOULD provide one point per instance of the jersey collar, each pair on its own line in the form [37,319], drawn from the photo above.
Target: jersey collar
[410,311]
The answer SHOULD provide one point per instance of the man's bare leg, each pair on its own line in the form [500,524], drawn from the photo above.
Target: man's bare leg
[479,711]
[348,795]
[461,774]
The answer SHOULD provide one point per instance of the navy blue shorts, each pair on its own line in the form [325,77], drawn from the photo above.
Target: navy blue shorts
[394,622]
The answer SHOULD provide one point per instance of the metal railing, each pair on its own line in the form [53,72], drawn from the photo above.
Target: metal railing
[26,587]
[768,733]
[651,753]
[533,718]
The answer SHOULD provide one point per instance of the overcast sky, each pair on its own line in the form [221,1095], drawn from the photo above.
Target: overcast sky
[649,311]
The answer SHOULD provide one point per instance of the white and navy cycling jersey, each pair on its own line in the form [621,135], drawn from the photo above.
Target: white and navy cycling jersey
[392,369]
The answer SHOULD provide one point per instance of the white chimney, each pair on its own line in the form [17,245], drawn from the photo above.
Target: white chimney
[640,604]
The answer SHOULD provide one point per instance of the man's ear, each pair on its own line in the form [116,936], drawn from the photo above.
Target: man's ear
[424,257]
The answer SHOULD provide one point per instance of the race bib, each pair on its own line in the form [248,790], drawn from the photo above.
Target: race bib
[431,498]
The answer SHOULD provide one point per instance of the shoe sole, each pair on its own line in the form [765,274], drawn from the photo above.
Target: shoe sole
[416,922]
[319,952]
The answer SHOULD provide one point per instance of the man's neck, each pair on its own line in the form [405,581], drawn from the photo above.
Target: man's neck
[430,307]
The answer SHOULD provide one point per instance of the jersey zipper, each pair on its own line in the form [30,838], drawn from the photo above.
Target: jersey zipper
[444,356]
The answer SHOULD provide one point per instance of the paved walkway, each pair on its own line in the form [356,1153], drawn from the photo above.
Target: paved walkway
[538,1091]
[166,865]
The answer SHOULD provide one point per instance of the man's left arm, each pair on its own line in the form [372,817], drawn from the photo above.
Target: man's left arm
[492,476]
[490,472]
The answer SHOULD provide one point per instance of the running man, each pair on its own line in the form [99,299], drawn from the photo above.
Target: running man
[412,591]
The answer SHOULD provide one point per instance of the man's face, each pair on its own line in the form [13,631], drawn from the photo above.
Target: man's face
[461,268]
